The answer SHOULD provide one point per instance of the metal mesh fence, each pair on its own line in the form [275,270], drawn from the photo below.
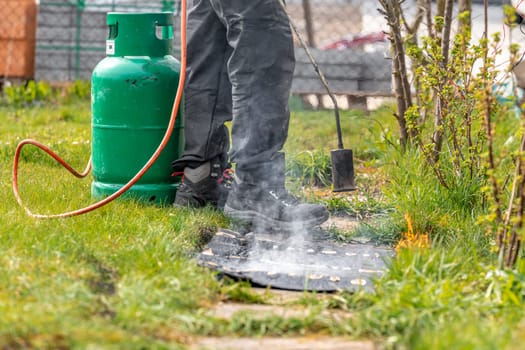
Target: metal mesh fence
[345,35]
[71,34]
[348,42]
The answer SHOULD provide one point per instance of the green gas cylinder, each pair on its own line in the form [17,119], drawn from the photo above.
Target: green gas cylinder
[133,90]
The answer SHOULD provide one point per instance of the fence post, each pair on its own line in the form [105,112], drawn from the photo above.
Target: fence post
[81,4]
[309,23]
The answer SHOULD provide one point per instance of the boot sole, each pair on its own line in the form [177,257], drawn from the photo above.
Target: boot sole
[257,219]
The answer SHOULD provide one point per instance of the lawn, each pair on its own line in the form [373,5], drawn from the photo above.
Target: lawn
[124,276]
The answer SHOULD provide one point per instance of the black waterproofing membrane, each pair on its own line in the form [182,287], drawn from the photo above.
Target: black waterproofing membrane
[309,261]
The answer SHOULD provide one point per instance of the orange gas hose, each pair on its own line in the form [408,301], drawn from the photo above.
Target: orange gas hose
[145,168]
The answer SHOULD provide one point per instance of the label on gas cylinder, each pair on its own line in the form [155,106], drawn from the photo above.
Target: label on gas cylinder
[110,47]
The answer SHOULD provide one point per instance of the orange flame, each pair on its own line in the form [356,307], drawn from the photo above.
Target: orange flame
[412,239]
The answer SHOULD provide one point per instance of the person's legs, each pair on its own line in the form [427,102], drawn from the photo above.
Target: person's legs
[207,106]
[261,69]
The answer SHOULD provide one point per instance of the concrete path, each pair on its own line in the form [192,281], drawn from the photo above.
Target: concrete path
[262,311]
[303,343]
[279,307]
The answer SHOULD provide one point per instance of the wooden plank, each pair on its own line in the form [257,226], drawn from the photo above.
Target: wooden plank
[354,88]
[377,72]
[348,71]
[348,56]
[313,85]
[336,71]
[378,68]
[313,342]
[376,86]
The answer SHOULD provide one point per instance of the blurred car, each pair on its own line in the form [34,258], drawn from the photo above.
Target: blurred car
[357,41]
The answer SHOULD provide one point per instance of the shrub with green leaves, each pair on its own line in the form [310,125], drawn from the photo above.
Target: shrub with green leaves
[467,134]
[18,95]
[41,91]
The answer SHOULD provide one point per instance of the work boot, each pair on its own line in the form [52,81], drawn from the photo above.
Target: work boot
[207,184]
[272,208]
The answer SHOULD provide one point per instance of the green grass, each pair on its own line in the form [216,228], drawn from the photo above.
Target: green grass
[124,275]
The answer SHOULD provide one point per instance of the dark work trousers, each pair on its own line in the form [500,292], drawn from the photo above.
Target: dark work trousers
[240,65]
